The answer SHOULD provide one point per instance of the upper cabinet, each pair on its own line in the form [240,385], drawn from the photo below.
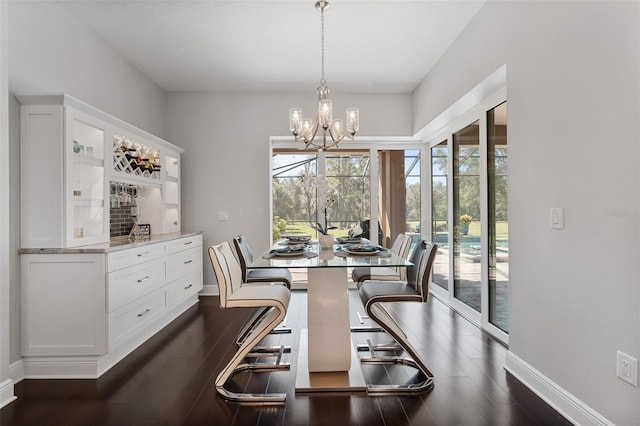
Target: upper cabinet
[87,221]
[70,152]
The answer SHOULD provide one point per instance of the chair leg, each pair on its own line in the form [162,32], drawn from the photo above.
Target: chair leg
[268,321]
[365,329]
[372,349]
[381,316]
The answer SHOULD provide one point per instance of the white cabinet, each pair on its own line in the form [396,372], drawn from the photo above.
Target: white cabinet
[85,309]
[70,152]
[63,305]
[62,179]
[184,268]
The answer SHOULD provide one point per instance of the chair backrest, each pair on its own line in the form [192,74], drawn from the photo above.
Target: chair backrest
[366,230]
[226,269]
[245,255]
[419,275]
[400,248]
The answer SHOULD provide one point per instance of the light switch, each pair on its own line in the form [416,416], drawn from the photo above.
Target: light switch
[556,218]
[223,215]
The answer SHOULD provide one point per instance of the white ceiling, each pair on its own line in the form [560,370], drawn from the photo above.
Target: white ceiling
[371,46]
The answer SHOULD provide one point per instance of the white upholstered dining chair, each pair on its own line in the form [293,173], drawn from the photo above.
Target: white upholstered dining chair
[275,298]
[400,248]
[376,295]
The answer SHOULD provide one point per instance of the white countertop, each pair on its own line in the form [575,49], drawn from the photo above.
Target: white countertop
[115,244]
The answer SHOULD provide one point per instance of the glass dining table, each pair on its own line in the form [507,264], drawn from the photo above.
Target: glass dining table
[327,359]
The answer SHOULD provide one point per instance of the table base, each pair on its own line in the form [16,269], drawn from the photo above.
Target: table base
[327,381]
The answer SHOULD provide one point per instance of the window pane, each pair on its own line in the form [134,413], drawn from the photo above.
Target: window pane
[498,220]
[439,213]
[294,204]
[348,173]
[399,192]
[412,190]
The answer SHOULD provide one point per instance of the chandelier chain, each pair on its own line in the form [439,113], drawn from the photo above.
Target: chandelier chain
[323,82]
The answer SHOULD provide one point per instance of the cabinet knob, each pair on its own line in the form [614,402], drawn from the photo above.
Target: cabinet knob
[175,222]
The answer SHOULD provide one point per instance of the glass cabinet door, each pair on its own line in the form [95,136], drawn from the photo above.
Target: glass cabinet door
[86,216]
[172,193]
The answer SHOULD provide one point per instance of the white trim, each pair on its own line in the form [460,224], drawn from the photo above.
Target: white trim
[16,371]
[562,401]
[493,83]
[209,290]
[6,393]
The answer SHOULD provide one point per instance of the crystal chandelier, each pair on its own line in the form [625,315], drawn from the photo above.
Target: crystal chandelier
[332,131]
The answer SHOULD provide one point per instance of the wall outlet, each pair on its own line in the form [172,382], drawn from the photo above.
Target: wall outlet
[223,215]
[627,368]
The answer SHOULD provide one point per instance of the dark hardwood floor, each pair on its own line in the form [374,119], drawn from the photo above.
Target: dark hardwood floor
[169,380]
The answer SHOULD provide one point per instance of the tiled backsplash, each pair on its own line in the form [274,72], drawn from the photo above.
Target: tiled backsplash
[120,222]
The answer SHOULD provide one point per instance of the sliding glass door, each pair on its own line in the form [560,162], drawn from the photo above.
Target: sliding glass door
[467,278]
[469,216]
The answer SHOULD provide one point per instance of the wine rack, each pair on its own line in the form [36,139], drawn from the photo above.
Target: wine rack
[136,160]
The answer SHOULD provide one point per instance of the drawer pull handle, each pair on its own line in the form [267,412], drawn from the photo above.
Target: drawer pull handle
[186,262]
[175,222]
[143,279]
[188,287]
[188,242]
[145,312]
[143,254]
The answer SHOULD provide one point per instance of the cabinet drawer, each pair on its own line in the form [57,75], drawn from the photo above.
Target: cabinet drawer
[126,285]
[183,244]
[125,258]
[184,263]
[126,322]
[182,288]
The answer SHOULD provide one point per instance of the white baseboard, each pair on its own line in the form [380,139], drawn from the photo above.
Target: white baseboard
[562,401]
[209,290]
[6,393]
[16,371]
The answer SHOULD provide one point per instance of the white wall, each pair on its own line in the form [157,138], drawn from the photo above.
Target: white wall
[573,83]
[227,164]
[52,52]
[49,51]
[6,384]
